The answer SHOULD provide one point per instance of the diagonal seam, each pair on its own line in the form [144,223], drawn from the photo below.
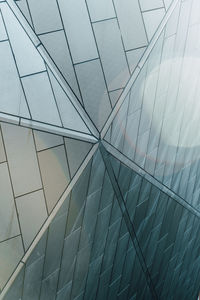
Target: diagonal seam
[138,69]
[47,222]
[150,178]
[52,66]
[126,217]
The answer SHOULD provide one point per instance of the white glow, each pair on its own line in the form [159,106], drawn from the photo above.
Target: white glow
[182,108]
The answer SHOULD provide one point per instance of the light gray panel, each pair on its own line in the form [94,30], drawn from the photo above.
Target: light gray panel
[168,3]
[171,26]
[45,140]
[23,6]
[45,15]
[11,252]
[119,125]
[27,57]
[56,45]
[112,54]
[94,92]
[195,13]
[55,174]
[3,35]
[2,150]
[142,143]
[131,24]
[32,214]
[69,115]
[76,153]
[78,28]
[22,159]
[134,57]
[12,99]
[152,19]
[8,218]
[114,96]
[100,9]
[151,4]
[41,99]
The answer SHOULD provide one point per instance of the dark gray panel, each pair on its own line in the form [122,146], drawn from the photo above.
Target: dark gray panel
[166,233]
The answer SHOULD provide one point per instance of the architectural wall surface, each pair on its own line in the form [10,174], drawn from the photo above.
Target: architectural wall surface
[99,149]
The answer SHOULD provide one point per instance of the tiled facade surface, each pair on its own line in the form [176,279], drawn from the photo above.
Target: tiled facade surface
[109,217]
[115,36]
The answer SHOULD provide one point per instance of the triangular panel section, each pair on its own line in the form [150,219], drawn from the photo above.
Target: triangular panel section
[11,252]
[29,90]
[89,252]
[76,153]
[159,222]
[134,57]
[34,174]
[155,127]
[116,37]
[152,20]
